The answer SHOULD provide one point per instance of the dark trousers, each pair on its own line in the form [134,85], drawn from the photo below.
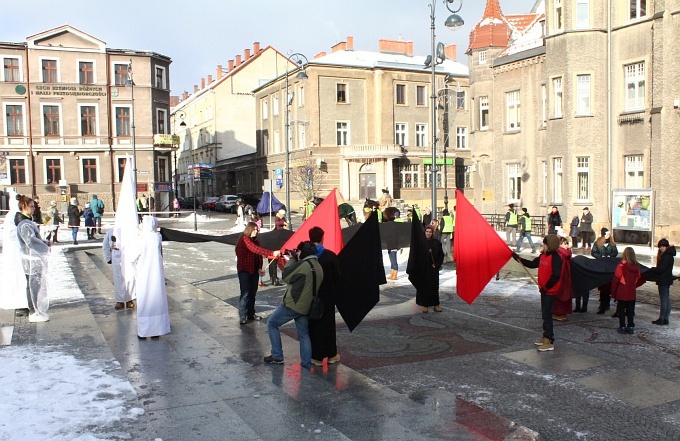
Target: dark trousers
[585,236]
[248,284]
[605,296]
[98,224]
[626,310]
[273,271]
[582,297]
[547,303]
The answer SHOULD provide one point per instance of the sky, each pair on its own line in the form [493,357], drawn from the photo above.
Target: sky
[200,34]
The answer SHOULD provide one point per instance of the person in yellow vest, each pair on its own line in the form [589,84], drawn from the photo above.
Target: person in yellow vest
[447,224]
[511,225]
[524,224]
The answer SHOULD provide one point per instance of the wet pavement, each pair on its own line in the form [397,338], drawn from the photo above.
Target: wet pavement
[468,373]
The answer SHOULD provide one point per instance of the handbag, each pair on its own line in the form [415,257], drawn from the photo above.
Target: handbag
[316,308]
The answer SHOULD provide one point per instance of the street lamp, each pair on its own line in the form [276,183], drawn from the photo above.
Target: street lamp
[445,105]
[300,62]
[454,22]
[130,82]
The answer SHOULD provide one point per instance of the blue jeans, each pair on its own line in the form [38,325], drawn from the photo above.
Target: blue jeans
[526,234]
[393,259]
[665,297]
[98,223]
[74,234]
[248,284]
[283,315]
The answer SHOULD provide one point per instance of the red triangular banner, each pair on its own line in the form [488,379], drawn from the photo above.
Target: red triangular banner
[326,217]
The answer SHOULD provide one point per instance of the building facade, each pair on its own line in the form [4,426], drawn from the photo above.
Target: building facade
[69,119]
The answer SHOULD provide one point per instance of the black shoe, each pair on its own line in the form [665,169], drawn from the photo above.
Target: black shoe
[630,330]
[141,338]
[616,314]
[243,320]
[21,312]
[255,317]
[665,322]
[271,360]
[657,322]
[277,283]
[622,330]
[600,311]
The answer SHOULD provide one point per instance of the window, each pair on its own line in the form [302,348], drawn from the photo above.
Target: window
[275,104]
[558,181]
[265,108]
[161,124]
[582,14]
[482,57]
[409,175]
[583,95]
[460,100]
[121,168]
[160,78]
[302,136]
[514,182]
[120,73]
[301,95]
[49,71]
[123,121]
[17,170]
[11,69]
[89,170]
[635,172]
[342,132]
[428,175]
[544,182]
[51,120]
[513,110]
[421,135]
[86,72]
[341,93]
[463,176]
[544,106]
[163,169]
[52,170]
[88,121]
[583,178]
[15,119]
[265,143]
[277,142]
[557,16]
[420,95]
[638,9]
[557,97]
[461,138]
[400,134]
[401,94]
[635,86]
[483,112]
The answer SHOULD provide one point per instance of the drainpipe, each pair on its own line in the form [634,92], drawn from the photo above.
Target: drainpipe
[609,108]
[30,126]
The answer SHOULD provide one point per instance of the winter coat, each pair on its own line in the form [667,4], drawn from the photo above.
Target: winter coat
[74,216]
[554,219]
[626,279]
[37,214]
[662,273]
[88,214]
[601,249]
[95,204]
[54,214]
[587,223]
[573,231]
[549,271]
[298,276]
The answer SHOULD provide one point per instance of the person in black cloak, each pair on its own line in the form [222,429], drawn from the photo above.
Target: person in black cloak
[428,295]
[322,331]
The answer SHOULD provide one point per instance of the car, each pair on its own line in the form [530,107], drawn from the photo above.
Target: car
[190,202]
[209,204]
[227,203]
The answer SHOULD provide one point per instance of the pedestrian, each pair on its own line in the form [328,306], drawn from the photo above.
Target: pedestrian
[447,226]
[626,279]
[554,220]
[524,225]
[34,254]
[112,256]
[240,219]
[604,248]
[385,200]
[322,331]
[153,317]
[562,306]
[55,220]
[13,293]
[88,215]
[37,214]
[662,273]
[74,214]
[303,275]
[151,204]
[249,268]
[429,296]
[511,225]
[97,207]
[175,206]
[427,216]
[586,228]
[392,254]
[550,278]
[573,231]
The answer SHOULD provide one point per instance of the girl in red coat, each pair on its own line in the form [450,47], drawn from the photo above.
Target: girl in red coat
[626,279]
[562,305]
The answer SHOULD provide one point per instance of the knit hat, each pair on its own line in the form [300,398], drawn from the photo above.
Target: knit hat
[603,231]
[74,201]
[663,243]
[552,241]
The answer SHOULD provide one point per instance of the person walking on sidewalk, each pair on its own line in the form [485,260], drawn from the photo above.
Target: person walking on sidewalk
[586,228]
[55,220]
[573,231]
[97,207]
[524,224]
[554,220]
[626,280]
[303,275]
[511,225]
[88,215]
[279,224]
[447,226]
[604,248]
[74,214]
[662,273]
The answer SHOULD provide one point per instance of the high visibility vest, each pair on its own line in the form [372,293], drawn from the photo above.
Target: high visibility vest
[512,220]
[527,223]
[379,215]
[448,224]
[398,219]
[418,213]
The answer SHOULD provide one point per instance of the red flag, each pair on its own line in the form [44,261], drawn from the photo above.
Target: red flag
[327,218]
[478,250]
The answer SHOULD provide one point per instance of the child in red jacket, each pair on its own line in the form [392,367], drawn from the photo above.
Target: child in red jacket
[626,280]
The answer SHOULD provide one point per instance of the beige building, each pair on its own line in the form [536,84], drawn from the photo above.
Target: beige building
[364,120]
[68,117]
[573,102]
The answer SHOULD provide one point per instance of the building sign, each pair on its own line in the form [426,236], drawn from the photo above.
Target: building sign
[633,209]
[142,187]
[114,92]
[200,171]
[278,176]
[163,187]
[164,139]
[49,90]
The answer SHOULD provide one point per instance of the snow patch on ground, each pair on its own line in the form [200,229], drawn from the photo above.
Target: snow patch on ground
[62,286]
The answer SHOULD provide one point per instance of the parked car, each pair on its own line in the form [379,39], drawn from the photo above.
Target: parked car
[190,202]
[227,203]
[209,204]
[249,199]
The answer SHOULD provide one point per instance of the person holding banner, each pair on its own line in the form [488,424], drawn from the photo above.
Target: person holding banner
[429,295]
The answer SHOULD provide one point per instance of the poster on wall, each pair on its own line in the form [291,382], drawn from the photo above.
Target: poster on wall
[633,214]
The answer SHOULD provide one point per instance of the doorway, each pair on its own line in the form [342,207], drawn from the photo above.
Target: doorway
[367,185]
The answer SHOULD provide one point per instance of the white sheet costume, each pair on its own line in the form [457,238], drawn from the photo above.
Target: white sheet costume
[34,254]
[112,255]
[13,292]
[153,317]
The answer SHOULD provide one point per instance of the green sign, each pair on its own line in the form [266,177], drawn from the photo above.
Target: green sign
[440,161]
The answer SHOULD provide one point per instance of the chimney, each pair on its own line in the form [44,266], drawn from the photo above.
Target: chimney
[231,65]
[350,43]
[174,101]
[238,60]
[396,47]
[195,88]
[202,83]
[209,79]
[451,52]
[342,46]
[256,48]
[319,55]
[246,54]
[219,71]
[185,95]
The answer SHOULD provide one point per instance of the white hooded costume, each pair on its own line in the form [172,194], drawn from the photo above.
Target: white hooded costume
[112,255]
[34,255]
[153,317]
[13,295]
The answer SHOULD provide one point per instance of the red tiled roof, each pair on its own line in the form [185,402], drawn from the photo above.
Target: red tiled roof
[521,21]
[493,30]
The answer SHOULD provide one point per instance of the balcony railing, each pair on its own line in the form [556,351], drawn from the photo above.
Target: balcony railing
[371,150]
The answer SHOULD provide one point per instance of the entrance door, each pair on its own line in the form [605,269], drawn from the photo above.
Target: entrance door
[367,185]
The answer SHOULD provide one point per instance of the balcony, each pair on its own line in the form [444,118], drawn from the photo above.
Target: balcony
[372,151]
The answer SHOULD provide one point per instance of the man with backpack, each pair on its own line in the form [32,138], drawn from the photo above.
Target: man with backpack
[97,207]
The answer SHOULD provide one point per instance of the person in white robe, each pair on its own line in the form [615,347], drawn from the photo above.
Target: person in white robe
[112,256]
[13,293]
[153,317]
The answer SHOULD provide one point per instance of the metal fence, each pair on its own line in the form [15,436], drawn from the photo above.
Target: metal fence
[497,221]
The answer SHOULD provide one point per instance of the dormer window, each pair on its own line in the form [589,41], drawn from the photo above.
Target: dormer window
[482,57]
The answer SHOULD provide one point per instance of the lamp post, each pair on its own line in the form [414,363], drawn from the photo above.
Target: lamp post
[300,61]
[454,21]
[443,94]
[130,82]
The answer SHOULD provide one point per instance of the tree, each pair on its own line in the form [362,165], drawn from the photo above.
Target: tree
[306,178]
